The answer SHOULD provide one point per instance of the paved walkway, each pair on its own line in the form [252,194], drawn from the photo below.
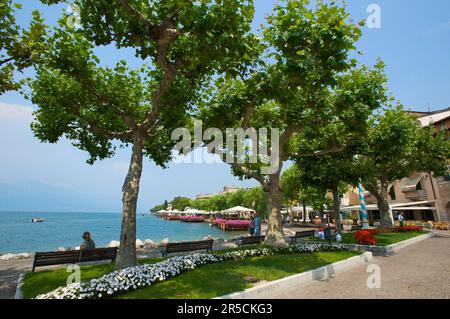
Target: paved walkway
[421,270]
[9,274]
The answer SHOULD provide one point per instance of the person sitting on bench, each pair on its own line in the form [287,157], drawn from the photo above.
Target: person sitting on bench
[88,243]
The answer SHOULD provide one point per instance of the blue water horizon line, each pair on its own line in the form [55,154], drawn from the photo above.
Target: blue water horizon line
[64,229]
[63,211]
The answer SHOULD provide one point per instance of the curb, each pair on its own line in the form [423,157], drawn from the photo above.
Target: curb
[397,246]
[391,249]
[322,273]
[18,294]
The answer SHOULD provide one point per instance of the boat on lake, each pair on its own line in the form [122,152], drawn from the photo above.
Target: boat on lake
[37,220]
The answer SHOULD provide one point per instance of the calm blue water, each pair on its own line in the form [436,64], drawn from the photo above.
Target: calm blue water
[19,234]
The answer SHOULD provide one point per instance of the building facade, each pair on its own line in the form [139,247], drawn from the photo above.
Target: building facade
[421,196]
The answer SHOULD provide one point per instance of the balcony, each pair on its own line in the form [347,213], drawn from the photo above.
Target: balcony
[417,195]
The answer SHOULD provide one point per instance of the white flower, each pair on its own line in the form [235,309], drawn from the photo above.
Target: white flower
[128,279]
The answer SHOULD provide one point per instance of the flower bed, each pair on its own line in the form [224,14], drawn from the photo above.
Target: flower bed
[408,229]
[366,237]
[237,224]
[219,221]
[191,219]
[231,223]
[133,278]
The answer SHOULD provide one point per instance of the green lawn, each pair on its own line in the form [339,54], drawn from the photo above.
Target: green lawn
[383,239]
[218,279]
[44,281]
[204,282]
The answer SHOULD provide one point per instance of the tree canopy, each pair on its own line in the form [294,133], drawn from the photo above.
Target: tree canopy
[181,44]
[19,47]
[304,85]
[395,147]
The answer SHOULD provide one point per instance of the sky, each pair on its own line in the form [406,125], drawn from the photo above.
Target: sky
[413,41]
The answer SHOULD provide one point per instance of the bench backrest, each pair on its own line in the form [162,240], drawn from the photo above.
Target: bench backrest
[306,233]
[73,256]
[189,246]
[356,227]
[56,258]
[98,254]
[252,240]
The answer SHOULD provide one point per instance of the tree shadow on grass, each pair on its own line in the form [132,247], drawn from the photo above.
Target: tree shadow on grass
[214,280]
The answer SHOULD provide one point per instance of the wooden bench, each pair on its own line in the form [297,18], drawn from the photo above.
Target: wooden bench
[250,240]
[356,227]
[73,256]
[188,246]
[302,234]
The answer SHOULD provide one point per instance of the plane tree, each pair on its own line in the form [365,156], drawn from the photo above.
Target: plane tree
[333,172]
[304,82]
[18,45]
[395,147]
[178,44]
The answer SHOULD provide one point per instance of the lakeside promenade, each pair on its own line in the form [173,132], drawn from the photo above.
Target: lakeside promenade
[419,271]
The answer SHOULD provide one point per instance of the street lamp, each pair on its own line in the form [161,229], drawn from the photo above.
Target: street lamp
[365,222]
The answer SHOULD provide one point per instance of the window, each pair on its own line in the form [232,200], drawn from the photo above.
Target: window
[392,193]
[447,177]
[419,186]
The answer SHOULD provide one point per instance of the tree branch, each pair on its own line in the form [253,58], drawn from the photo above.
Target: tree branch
[97,130]
[284,140]
[248,172]
[332,150]
[165,35]
[134,12]
[6,60]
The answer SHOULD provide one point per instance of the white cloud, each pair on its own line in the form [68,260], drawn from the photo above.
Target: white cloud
[15,112]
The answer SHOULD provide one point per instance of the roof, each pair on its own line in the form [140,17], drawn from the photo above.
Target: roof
[409,184]
[238,209]
[192,211]
[434,118]
[398,205]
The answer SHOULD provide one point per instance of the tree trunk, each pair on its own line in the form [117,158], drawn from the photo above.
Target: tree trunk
[380,192]
[386,218]
[130,192]
[274,234]
[336,209]
[304,212]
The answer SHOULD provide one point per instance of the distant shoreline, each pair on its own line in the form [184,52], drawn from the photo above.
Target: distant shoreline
[61,212]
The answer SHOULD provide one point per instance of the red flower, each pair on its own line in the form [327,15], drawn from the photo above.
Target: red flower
[366,237]
[408,228]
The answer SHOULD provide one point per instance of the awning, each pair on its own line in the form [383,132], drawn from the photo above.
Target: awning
[414,208]
[193,211]
[411,203]
[410,184]
[238,209]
